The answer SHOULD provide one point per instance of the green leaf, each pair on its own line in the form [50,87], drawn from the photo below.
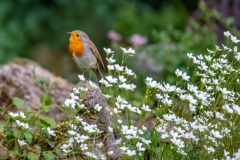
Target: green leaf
[48,155]
[58,152]
[28,137]
[44,108]
[9,135]
[19,102]
[30,111]
[46,100]
[42,123]
[32,156]
[2,126]
[48,120]
[38,149]
[16,132]
[41,80]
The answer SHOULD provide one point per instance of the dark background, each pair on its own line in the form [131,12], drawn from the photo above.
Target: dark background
[37,30]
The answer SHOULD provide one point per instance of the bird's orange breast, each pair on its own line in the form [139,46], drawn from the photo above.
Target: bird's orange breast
[76,47]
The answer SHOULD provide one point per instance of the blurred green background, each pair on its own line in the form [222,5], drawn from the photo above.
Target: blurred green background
[37,30]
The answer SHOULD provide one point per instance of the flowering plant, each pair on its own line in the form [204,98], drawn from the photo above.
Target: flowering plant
[193,119]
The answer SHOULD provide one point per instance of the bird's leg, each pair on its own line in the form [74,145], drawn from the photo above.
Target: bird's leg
[90,74]
[83,71]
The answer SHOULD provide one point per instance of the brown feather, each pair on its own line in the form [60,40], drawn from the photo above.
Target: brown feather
[95,52]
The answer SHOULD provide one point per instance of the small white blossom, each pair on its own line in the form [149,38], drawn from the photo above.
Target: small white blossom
[21,142]
[83,146]
[110,67]
[13,114]
[185,77]
[234,39]
[227,33]
[110,60]
[71,132]
[122,79]
[110,152]
[146,108]
[111,79]
[108,50]
[178,72]
[81,77]
[98,107]
[50,132]
[118,67]
[129,71]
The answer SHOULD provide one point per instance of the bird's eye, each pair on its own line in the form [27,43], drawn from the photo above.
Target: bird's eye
[77,35]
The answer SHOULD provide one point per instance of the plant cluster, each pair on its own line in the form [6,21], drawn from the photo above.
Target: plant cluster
[191,119]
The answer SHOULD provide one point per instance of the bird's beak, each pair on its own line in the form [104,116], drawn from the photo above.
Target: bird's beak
[69,33]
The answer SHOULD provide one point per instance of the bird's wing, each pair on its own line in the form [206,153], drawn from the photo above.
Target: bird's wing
[95,52]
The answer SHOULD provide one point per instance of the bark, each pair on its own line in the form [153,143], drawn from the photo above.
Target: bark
[101,119]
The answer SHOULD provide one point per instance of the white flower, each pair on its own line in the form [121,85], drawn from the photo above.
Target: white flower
[100,144]
[237,56]
[208,58]
[195,60]
[234,39]
[21,124]
[178,72]
[73,96]
[139,147]
[83,146]
[216,134]
[110,152]
[103,81]
[98,107]
[91,155]
[122,79]
[13,114]
[70,103]
[130,50]
[118,67]
[71,132]
[21,114]
[108,50]
[130,153]
[217,48]
[110,59]
[119,121]
[21,143]
[190,55]
[110,129]
[107,96]
[81,77]
[177,142]
[227,33]
[235,49]
[50,132]
[185,77]
[111,79]
[129,71]
[110,67]
[127,86]
[146,108]
[81,138]
[124,49]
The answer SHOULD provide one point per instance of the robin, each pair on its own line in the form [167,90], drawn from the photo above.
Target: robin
[85,53]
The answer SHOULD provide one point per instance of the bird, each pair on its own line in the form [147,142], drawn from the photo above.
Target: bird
[85,53]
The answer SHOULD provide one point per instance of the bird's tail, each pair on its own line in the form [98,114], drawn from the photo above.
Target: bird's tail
[99,75]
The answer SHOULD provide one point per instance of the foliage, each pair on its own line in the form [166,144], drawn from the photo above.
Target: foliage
[166,49]
[31,25]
